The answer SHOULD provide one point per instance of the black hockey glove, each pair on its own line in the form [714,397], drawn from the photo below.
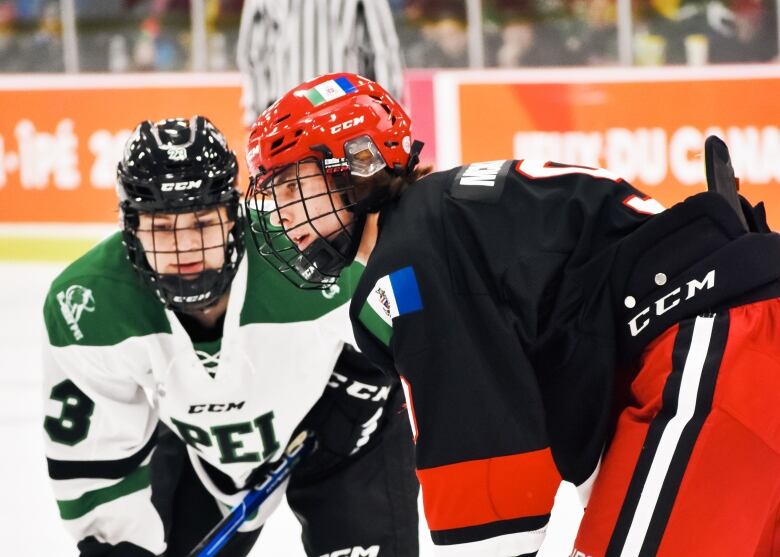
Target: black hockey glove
[348,417]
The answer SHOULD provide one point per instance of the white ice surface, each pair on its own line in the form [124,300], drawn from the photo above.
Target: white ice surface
[29,523]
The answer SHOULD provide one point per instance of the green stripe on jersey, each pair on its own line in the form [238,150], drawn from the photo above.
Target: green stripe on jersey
[76,508]
[375,324]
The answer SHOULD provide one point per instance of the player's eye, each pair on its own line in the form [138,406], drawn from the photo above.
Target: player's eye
[207,223]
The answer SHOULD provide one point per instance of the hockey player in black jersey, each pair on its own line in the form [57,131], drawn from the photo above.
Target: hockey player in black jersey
[178,368]
[539,316]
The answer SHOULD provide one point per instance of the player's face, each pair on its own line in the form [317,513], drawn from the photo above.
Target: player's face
[185,244]
[307,209]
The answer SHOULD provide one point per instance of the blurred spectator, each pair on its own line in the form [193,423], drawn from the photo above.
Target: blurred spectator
[530,34]
[118,58]
[155,35]
[9,54]
[154,49]
[733,31]
[662,27]
[46,41]
[439,38]
[753,37]
[555,33]
[597,30]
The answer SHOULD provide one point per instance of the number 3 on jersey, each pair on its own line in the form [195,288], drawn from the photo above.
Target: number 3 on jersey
[72,425]
[544,169]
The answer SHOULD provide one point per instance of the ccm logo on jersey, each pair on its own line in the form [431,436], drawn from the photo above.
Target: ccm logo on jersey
[181,186]
[215,407]
[668,301]
[348,124]
[356,551]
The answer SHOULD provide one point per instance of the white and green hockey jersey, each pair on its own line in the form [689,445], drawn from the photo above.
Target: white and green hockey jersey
[117,361]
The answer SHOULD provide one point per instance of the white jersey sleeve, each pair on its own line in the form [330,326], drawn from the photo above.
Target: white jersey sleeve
[99,436]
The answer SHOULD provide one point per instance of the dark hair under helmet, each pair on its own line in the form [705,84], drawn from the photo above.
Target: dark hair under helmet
[179,166]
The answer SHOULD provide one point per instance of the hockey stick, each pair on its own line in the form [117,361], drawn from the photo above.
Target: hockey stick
[720,174]
[221,534]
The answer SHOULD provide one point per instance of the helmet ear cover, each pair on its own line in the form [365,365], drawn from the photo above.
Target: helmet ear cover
[363,157]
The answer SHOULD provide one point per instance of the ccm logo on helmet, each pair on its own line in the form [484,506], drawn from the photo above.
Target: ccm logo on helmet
[348,124]
[181,186]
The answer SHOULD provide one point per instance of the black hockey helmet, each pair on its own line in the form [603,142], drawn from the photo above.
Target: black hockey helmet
[171,167]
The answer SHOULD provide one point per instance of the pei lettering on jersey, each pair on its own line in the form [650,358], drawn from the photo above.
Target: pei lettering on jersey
[481,173]
[231,441]
[668,301]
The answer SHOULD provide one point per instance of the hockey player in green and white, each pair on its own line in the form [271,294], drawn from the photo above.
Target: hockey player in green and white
[177,369]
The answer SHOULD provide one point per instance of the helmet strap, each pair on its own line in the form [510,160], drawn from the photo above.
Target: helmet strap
[414,156]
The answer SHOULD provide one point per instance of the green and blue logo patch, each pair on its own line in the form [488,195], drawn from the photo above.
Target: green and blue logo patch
[393,295]
[329,90]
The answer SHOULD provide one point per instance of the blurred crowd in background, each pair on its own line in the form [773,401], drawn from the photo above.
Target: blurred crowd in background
[155,35]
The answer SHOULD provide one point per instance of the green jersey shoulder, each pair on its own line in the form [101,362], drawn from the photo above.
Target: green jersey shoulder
[271,298]
[100,300]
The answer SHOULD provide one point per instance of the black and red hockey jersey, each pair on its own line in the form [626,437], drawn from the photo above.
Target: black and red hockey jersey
[479,295]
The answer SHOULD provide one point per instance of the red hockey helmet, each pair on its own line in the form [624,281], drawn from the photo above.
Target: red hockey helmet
[331,111]
[341,129]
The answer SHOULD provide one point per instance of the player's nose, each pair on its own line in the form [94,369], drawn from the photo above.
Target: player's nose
[189,239]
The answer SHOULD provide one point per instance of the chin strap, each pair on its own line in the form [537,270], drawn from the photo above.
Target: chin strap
[323,260]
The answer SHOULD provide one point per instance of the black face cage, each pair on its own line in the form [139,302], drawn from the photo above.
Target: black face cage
[200,289]
[317,266]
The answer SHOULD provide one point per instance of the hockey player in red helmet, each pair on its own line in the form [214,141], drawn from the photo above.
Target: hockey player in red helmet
[297,153]
[537,313]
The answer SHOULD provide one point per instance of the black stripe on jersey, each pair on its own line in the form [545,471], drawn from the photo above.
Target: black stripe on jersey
[682,345]
[669,408]
[487,531]
[106,469]
[685,444]
[682,454]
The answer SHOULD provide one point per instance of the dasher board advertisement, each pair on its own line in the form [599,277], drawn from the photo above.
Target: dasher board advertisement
[646,125]
[61,136]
